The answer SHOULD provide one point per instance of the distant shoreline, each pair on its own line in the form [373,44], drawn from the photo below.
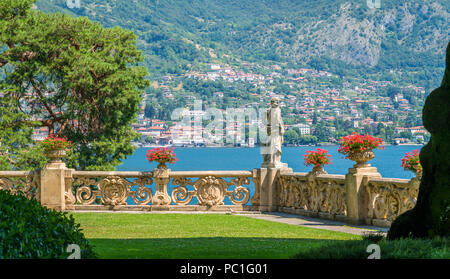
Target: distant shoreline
[257,146]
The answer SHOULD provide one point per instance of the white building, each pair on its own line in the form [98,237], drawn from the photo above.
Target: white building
[305,129]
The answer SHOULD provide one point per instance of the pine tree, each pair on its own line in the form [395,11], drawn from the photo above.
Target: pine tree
[79,80]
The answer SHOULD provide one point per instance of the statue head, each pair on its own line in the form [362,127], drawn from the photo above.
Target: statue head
[274,103]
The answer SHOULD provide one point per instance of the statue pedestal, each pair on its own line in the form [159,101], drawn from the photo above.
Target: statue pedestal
[274,165]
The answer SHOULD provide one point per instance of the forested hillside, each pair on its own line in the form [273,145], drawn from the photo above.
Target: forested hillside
[345,37]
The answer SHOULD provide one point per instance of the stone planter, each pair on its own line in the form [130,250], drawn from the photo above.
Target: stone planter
[162,165]
[418,171]
[361,158]
[317,170]
[56,155]
[161,176]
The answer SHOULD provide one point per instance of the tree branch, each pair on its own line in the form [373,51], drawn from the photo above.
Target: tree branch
[42,99]
[94,48]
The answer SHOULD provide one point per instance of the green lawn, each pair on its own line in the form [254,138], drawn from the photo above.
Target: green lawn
[189,236]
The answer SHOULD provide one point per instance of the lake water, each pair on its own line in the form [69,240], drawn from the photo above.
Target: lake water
[388,161]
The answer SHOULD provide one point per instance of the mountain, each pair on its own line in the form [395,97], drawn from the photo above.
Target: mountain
[401,40]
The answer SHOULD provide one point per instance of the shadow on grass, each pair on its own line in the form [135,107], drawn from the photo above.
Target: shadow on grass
[206,248]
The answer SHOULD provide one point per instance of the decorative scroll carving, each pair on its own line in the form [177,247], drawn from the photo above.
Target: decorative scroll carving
[27,185]
[388,199]
[115,189]
[112,190]
[180,194]
[256,199]
[143,193]
[241,194]
[332,196]
[313,194]
[211,190]
[87,191]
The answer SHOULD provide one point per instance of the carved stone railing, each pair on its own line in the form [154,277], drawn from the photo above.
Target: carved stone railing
[362,196]
[388,198]
[210,187]
[23,182]
[316,196]
[110,188]
[326,196]
[105,190]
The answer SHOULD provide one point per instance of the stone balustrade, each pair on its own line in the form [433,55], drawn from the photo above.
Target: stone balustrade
[388,198]
[327,196]
[320,196]
[119,190]
[24,182]
[360,197]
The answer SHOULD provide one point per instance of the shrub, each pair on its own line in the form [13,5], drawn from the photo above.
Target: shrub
[29,230]
[405,248]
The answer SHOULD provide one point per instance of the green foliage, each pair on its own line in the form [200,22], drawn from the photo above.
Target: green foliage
[291,136]
[29,230]
[430,217]
[77,78]
[294,136]
[406,248]
[176,36]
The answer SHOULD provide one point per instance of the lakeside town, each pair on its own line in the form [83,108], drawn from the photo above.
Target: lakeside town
[317,107]
[315,111]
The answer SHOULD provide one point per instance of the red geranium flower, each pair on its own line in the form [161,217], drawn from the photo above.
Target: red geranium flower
[161,155]
[411,161]
[358,143]
[320,157]
[53,142]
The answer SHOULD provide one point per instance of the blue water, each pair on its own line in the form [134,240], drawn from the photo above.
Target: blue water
[388,162]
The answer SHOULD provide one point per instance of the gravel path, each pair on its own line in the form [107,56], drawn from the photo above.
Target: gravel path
[316,223]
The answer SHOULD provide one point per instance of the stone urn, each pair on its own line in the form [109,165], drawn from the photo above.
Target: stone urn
[56,155]
[317,170]
[162,165]
[361,158]
[418,171]
[161,176]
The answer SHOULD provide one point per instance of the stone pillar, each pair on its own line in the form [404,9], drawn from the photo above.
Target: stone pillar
[53,188]
[355,193]
[269,196]
[161,178]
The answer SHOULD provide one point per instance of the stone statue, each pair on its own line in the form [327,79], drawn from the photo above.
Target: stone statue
[271,150]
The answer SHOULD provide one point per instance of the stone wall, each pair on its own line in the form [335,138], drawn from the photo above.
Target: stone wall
[360,197]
